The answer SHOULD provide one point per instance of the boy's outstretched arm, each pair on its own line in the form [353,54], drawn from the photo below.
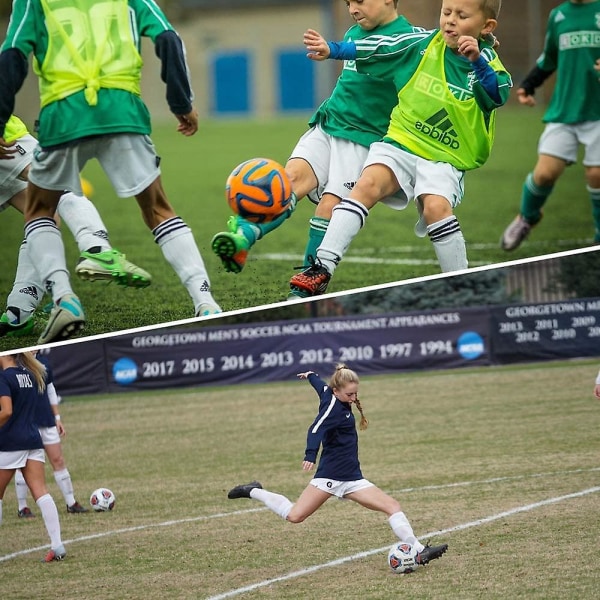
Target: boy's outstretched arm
[320,49]
[316,44]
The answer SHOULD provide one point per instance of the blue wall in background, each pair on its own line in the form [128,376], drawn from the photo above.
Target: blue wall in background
[231,82]
[296,77]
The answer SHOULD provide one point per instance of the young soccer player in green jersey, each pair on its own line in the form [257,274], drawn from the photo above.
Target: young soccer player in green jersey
[449,85]
[572,50]
[328,158]
[87,58]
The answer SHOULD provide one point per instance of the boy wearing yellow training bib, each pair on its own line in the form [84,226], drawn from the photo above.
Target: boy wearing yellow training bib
[449,83]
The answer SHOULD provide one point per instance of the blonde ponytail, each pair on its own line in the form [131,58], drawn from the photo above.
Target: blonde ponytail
[28,361]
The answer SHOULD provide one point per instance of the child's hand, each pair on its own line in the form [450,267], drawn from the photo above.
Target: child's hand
[524,98]
[316,45]
[469,47]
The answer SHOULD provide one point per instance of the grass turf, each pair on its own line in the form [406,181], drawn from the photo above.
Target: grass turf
[386,250]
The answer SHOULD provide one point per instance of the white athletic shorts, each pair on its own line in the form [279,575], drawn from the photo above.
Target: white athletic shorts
[563,140]
[417,176]
[18,459]
[340,488]
[11,169]
[336,162]
[50,435]
[129,161]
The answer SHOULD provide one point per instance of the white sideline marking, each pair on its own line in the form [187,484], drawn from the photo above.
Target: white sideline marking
[339,561]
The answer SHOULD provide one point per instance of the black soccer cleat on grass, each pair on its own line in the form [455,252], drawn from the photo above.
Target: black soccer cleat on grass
[76,508]
[430,553]
[243,491]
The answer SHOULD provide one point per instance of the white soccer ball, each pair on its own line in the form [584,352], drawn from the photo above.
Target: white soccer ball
[402,558]
[102,500]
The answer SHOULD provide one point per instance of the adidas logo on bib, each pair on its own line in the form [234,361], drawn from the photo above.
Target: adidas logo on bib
[439,127]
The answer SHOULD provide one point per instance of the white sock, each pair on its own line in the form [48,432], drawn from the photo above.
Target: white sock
[27,290]
[179,248]
[47,252]
[347,219]
[50,516]
[279,504]
[84,222]
[449,244]
[403,530]
[21,489]
[65,485]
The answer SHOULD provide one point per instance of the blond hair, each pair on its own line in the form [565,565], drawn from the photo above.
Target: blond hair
[341,377]
[28,361]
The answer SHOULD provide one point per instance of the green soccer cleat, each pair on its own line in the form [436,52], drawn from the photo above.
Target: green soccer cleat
[8,329]
[111,265]
[232,246]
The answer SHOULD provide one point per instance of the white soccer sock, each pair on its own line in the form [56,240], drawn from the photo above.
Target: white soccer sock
[21,489]
[347,219]
[403,530]
[449,244]
[65,485]
[47,252]
[84,222]
[179,248]
[50,515]
[27,290]
[279,504]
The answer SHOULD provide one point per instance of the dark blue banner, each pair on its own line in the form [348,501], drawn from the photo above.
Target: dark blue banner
[370,344]
[551,330]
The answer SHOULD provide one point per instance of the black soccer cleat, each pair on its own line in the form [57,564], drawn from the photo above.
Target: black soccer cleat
[76,508]
[243,491]
[430,553]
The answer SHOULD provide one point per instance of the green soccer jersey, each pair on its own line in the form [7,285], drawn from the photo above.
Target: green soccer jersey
[72,117]
[450,116]
[571,48]
[360,105]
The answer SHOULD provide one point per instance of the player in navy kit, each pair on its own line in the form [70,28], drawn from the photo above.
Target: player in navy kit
[52,429]
[22,379]
[338,473]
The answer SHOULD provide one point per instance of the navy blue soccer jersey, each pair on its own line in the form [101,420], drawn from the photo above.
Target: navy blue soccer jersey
[20,432]
[334,429]
[44,416]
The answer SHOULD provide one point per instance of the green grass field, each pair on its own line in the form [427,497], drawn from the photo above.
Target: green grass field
[387,250]
[500,463]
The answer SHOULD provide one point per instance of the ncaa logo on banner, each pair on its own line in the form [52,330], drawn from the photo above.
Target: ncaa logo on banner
[125,371]
[470,345]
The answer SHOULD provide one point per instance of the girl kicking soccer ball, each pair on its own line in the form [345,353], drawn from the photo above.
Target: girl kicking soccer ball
[338,473]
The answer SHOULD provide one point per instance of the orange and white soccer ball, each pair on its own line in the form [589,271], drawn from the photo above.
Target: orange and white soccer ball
[258,190]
